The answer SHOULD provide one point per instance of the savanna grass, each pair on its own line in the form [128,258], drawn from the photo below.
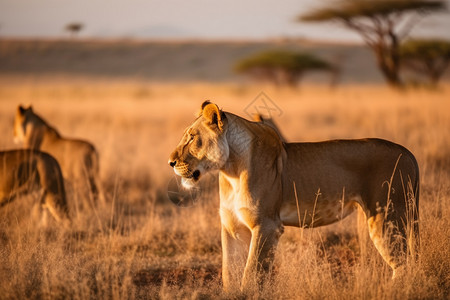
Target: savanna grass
[138,245]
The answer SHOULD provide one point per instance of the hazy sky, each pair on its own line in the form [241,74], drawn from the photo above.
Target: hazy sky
[179,19]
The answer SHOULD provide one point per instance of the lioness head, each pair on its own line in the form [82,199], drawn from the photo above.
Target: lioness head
[203,147]
[29,128]
[20,123]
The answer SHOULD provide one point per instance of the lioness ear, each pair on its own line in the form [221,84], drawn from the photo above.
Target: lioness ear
[21,109]
[258,118]
[213,114]
[206,102]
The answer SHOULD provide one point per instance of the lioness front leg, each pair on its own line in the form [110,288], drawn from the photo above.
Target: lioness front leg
[264,242]
[234,255]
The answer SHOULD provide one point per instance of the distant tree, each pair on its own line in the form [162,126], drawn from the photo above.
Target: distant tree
[74,28]
[281,67]
[381,23]
[427,57]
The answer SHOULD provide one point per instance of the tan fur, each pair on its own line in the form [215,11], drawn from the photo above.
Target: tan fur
[270,122]
[21,171]
[78,159]
[266,183]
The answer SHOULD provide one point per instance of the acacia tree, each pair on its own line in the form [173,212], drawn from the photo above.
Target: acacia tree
[74,28]
[382,24]
[281,67]
[426,57]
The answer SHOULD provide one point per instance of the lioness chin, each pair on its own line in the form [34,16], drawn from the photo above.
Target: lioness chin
[266,184]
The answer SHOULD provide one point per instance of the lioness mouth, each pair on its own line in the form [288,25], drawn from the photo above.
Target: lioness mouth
[196,175]
[189,182]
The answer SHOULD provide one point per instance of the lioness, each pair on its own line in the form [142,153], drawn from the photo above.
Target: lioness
[78,159]
[23,170]
[266,184]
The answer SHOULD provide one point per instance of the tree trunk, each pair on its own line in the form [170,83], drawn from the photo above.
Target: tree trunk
[388,60]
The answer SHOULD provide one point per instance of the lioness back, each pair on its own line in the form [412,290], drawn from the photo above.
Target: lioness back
[78,159]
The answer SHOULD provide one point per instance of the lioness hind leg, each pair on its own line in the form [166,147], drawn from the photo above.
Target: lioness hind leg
[390,239]
[57,207]
[95,188]
[91,172]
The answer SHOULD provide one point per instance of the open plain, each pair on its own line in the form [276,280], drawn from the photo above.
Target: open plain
[139,245]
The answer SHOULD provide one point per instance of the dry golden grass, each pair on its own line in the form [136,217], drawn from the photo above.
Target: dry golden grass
[139,245]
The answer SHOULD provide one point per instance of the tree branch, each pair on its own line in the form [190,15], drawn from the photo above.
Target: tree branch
[409,24]
[364,30]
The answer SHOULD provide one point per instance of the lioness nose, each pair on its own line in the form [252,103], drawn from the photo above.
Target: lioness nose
[172,163]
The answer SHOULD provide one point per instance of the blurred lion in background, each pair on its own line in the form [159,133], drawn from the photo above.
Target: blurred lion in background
[78,159]
[23,171]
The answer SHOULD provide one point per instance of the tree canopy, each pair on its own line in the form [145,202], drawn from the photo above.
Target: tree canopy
[281,67]
[381,23]
[426,48]
[349,9]
[74,28]
[292,61]
[430,57]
